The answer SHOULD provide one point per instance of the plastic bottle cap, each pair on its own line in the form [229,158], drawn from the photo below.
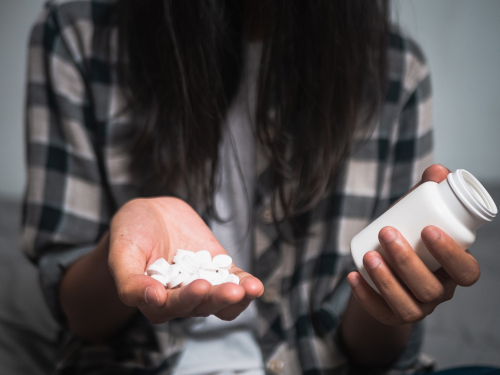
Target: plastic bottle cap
[472,194]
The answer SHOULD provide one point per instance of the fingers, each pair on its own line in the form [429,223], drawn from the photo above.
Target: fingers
[436,173]
[460,265]
[423,284]
[133,287]
[408,290]
[253,288]
[199,298]
[138,290]
[401,301]
[371,300]
[221,296]
[233,311]
[180,302]
[448,284]
[229,300]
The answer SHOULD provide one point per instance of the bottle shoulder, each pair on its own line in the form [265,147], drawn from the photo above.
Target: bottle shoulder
[422,207]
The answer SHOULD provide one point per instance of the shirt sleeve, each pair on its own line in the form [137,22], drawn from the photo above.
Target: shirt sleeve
[406,149]
[66,208]
[411,152]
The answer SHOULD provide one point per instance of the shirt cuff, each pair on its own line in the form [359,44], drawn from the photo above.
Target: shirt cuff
[52,267]
[412,360]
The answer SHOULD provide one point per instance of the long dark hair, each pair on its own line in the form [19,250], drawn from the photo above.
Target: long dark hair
[322,75]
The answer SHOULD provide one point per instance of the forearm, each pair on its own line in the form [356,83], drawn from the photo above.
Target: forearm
[89,298]
[370,343]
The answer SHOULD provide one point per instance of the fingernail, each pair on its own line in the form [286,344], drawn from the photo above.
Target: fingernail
[388,235]
[353,281]
[431,235]
[151,297]
[372,261]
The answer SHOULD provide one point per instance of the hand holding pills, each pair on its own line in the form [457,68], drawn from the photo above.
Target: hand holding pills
[146,234]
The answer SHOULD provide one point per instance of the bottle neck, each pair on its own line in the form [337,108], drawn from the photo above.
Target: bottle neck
[467,199]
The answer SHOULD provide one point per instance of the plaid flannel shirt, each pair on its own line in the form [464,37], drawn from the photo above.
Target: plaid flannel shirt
[78,178]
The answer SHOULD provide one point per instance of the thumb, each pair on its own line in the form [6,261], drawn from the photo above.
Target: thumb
[138,290]
[436,173]
[127,265]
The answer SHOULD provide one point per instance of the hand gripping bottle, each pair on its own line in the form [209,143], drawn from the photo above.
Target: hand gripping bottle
[458,205]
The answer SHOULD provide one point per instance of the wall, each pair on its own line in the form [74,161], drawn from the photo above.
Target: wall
[460,39]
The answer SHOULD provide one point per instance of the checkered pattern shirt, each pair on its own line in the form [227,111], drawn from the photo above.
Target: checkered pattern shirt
[78,178]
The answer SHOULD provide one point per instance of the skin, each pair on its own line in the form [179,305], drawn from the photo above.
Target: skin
[102,291]
[376,327]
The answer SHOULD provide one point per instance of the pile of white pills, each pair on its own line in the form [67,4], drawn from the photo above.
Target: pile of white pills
[190,266]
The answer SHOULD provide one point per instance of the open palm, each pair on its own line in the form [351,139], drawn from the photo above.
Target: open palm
[145,230]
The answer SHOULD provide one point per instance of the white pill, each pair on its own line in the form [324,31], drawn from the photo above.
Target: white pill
[232,278]
[215,282]
[210,266]
[177,280]
[207,274]
[180,253]
[162,262]
[222,274]
[178,258]
[159,267]
[190,279]
[171,272]
[203,256]
[183,269]
[190,262]
[223,260]
[161,279]
[155,270]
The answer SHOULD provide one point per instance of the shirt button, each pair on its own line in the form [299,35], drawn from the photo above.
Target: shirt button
[270,295]
[266,216]
[276,366]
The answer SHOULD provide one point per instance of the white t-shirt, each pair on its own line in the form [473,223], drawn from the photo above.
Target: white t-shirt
[215,346]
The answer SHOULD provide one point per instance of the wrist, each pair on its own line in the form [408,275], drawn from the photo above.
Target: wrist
[368,342]
[89,298]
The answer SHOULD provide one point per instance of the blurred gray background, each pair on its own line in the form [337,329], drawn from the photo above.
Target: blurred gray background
[461,41]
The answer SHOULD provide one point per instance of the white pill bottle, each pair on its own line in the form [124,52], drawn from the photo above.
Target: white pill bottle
[458,205]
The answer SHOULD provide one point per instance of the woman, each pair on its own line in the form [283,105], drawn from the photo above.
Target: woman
[274,131]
